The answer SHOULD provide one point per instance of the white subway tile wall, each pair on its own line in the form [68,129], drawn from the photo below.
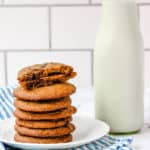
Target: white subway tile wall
[96,1]
[138,1]
[143,1]
[74,27]
[40,2]
[80,60]
[24,28]
[147,69]
[145,24]
[36,31]
[2,70]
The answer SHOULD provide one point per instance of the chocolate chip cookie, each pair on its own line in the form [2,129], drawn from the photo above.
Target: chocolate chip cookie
[43,124]
[45,74]
[43,106]
[38,140]
[54,132]
[51,92]
[54,115]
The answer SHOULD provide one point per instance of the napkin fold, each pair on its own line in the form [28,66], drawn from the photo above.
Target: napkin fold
[2,147]
[104,143]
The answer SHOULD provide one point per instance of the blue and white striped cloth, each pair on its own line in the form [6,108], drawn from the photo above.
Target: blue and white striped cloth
[105,143]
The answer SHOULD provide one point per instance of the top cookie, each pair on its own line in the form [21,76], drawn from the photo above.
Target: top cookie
[38,71]
[39,75]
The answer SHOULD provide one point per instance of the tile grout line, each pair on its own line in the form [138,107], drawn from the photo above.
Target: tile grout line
[147,49]
[5,68]
[138,11]
[3,2]
[90,2]
[61,5]
[45,50]
[53,50]
[49,27]
[92,67]
[144,4]
[49,5]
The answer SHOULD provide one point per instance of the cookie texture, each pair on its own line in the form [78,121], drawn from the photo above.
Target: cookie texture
[55,140]
[45,74]
[54,132]
[54,115]
[46,81]
[54,91]
[43,124]
[43,106]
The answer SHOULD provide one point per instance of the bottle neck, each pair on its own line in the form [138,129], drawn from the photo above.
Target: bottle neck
[119,12]
[121,17]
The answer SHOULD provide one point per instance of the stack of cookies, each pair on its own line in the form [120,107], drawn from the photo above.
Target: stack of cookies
[43,104]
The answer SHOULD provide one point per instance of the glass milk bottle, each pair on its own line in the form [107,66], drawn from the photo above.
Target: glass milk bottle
[118,67]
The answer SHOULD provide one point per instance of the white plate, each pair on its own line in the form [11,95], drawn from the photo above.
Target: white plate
[87,130]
